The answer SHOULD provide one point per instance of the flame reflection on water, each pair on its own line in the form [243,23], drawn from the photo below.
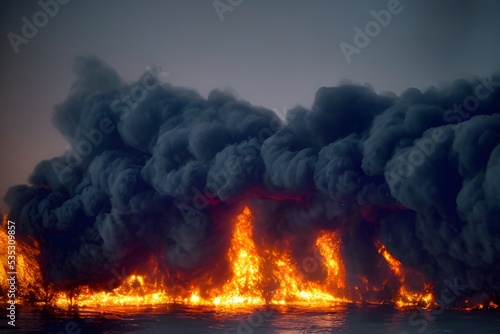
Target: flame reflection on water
[182,319]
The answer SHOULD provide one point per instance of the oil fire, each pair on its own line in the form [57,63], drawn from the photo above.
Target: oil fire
[270,276]
[246,286]
[29,280]
[405,297]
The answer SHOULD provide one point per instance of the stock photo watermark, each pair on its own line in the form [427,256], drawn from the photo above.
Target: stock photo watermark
[281,113]
[222,178]
[94,137]
[448,294]
[373,28]
[11,273]
[423,149]
[254,321]
[472,102]
[223,6]
[71,326]
[129,101]
[30,27]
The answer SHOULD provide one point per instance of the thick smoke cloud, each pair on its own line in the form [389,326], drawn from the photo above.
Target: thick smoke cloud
[166,177]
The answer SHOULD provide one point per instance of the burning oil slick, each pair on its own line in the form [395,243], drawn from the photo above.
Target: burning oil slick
[215,201]
[258,276]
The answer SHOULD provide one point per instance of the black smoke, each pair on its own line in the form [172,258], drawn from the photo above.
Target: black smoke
[162,176]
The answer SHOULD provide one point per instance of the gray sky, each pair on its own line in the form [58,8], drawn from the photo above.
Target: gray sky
[273,53]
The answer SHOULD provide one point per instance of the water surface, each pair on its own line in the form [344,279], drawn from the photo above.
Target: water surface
[180,319]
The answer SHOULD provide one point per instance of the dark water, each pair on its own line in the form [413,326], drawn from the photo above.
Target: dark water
[337,319]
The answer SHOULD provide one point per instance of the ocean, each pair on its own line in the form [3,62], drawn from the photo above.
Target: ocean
[280,320]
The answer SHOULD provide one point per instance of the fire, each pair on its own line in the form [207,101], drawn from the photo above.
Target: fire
[295,288]
[329,245]
[135,290]
[395,265]
[244,286]
[405,297]
[29,281]
[256,276]
[247,283]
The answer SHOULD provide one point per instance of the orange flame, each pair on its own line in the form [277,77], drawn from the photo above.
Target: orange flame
[295,288]
[247,278]
[29,281]
[405,297]
[271,276]
[247,284]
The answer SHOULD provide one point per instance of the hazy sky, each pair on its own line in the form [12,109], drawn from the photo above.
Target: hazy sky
[273,53]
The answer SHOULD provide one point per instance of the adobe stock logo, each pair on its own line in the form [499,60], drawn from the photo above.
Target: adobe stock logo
[372,29]
[221,7]
[92,138]
[409,161]
[29,29]
[471,102]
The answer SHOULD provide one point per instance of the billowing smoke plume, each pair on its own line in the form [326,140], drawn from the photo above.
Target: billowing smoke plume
[157,171]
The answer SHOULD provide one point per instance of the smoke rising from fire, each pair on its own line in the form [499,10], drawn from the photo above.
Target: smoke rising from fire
[164,179]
